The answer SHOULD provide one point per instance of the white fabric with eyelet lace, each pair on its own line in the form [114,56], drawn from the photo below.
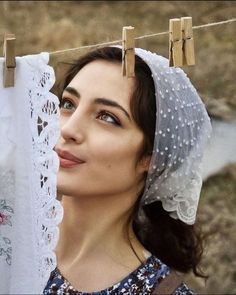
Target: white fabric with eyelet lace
[29,211]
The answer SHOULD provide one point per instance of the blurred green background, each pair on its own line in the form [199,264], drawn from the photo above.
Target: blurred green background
[56,25]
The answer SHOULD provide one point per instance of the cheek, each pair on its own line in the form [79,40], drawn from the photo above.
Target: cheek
[117,154]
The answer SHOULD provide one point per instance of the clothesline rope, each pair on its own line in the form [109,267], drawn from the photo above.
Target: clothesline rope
[141,37]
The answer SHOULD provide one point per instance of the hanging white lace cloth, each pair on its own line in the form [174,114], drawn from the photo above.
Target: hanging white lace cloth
[29,211]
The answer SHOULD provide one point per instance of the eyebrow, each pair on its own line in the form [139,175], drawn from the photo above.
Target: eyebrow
[103,101]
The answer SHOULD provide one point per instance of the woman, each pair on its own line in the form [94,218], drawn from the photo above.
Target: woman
[129,176]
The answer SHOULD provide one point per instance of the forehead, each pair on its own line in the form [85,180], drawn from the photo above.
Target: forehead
[103,79]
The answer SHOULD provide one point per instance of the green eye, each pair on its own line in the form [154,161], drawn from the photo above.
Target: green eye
[66,104]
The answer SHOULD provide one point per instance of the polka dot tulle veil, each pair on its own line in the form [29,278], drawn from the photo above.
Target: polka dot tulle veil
[183,128]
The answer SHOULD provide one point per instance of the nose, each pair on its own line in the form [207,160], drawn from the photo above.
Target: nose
[73,128]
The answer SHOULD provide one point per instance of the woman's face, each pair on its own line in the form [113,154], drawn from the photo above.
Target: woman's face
[97,128]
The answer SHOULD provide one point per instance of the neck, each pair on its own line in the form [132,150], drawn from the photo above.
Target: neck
[95,227]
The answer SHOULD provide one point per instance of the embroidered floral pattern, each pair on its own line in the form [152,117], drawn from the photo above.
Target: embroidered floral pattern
[6,212]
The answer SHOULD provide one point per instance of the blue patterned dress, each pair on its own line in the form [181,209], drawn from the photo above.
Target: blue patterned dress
[142,280]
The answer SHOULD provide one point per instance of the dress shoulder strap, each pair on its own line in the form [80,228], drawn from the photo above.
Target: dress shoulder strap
[168,285]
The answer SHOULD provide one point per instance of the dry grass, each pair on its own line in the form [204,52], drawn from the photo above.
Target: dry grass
[54,25]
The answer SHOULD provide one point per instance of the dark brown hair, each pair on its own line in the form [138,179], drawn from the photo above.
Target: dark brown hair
[175,243]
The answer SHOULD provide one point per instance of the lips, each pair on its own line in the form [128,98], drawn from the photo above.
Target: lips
[67,159]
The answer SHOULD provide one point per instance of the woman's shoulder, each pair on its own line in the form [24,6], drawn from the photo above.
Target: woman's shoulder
[172,284]
[168,281]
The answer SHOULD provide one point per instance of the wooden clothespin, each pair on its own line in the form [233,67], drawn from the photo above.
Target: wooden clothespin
[175,43]
[10,60]
[188,42]
[128,54]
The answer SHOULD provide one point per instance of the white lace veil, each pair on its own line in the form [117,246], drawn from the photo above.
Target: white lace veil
[182,131]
